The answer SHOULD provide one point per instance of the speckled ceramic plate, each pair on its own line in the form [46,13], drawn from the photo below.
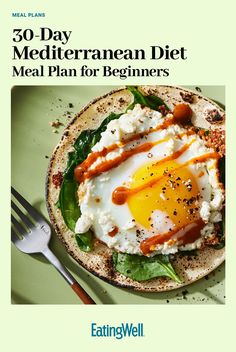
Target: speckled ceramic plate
[99,260]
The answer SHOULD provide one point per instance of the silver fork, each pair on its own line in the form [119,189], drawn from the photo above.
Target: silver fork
[35,236]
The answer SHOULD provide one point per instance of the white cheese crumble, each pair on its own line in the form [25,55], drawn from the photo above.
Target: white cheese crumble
[85,191]
[191,246]
[167,249]
[129,225]
[218,198]
[205,211]
[207,229]
[172,129]
[106,221]
[84,223]
[216,216]
[132,122]
[170,146]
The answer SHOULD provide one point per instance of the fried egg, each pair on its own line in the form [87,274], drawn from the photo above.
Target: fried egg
[149,186]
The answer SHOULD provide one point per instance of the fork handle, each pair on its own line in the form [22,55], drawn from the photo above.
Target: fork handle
[83,295]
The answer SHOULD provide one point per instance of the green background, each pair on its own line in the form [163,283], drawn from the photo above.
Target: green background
[33,140]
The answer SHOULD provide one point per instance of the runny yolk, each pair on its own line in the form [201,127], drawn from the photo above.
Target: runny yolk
[176,194]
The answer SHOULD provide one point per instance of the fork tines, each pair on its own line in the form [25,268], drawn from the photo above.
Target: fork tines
[31,210]
[26,224]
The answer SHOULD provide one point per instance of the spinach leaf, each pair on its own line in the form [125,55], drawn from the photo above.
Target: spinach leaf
[71,164]
[84,144]
[140,268]
[151,101]
[85,241]
[68,203]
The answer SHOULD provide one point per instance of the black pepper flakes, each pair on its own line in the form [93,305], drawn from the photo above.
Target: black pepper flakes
[184,293]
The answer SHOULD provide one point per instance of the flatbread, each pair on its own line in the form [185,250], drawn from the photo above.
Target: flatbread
[99,261]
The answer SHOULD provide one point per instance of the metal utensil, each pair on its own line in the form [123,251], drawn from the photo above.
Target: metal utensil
[32,235]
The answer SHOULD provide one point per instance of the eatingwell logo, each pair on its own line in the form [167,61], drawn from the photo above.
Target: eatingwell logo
[119,331]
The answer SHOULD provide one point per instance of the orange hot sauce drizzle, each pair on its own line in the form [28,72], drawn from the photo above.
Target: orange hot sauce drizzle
[81,168]
[113,232]
[185,235]
[81,172]
[201,173]
[121,194]
[82,175]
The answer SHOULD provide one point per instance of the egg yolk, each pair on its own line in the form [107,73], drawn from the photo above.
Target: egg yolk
[175,193]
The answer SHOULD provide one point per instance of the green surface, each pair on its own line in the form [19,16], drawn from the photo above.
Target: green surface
[34,281]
